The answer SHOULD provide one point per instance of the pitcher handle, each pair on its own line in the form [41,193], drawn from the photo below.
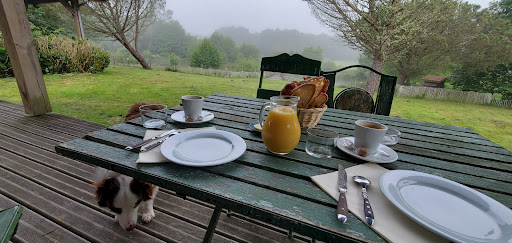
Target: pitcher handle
[392,138]
[262,112]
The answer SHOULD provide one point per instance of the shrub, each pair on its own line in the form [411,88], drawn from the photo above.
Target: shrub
[206,55]
[174,60]
[62,55]
[247,64]
[65,55]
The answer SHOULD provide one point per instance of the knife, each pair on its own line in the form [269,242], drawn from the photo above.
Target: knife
[152,146]
[342,208]
[149,140]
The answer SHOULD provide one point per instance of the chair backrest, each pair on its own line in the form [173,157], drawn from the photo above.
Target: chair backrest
[9,222]
[385,92]
[284,63]
[354,99]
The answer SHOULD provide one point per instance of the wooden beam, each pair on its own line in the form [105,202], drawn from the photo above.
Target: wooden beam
[19,43]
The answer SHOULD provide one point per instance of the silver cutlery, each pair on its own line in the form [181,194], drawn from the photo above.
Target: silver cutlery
[368,212]
[342,209]
[138,145]
[350,145]
[152,146]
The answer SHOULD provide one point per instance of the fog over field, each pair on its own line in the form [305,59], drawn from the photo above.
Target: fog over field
[203,17]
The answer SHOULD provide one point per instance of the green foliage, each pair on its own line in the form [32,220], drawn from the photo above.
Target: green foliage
[62,55]
[47,20]
[249,51]
[247,64]
[495,80]
[328,66]
[166,37]
[174,60]
[502,8]
[206,55]
[313,53]
[226,46]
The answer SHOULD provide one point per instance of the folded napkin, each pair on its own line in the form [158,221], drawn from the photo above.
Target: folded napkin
[389,223]
[154,155]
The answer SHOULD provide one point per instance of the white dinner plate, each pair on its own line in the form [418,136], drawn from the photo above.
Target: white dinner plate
[376,158]
[179,116]
[448,208]
[203,148]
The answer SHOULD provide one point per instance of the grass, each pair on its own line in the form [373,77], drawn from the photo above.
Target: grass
[105,97]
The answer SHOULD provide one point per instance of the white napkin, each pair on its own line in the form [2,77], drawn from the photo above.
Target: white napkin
[389,223]
[154,155]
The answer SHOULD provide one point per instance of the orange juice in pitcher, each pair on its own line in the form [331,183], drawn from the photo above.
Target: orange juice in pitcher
[281,129]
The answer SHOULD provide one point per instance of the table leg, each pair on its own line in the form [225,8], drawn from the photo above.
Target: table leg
[213,223]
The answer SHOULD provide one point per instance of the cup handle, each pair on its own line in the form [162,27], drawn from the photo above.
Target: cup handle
[262,112]
[393,138]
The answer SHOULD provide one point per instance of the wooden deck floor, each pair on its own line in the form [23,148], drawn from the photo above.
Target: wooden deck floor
[58,197]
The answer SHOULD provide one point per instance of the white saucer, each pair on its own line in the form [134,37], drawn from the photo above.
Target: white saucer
[376,158]
[180,117]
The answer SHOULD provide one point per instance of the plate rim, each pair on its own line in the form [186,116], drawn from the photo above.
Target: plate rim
[351,153]
[396,175]
[194,122]
[235,139]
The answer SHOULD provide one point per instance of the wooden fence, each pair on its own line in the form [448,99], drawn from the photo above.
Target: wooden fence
[450,94]
[444,94]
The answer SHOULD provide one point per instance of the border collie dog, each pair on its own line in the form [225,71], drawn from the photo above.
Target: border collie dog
[123,194]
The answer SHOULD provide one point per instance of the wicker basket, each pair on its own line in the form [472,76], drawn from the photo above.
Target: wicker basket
[310,117]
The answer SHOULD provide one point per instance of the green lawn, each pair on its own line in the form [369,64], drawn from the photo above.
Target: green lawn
[105,98]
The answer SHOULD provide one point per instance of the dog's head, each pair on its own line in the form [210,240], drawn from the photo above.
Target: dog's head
[134,110]
[123,195]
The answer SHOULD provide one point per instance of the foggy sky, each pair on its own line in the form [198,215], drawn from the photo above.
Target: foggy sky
[203,17]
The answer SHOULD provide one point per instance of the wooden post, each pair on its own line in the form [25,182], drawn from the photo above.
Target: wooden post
[19,43]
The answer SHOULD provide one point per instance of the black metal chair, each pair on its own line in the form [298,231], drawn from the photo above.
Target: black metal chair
[9,222]
[385,93]
[354,99]
[295,64]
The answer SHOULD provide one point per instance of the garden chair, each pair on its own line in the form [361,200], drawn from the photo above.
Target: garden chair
[386,90]
[295,64]
[9,222]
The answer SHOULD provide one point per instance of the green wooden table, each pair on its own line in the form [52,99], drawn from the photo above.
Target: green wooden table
[278,189]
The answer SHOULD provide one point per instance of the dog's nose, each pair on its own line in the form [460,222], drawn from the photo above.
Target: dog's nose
[130,227]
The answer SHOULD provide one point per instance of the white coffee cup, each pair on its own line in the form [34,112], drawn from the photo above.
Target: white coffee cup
[369,135]
[192,106]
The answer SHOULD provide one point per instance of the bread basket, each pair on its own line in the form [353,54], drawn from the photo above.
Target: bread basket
[310,117]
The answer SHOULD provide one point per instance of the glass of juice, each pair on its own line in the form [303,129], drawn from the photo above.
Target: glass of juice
[281,129]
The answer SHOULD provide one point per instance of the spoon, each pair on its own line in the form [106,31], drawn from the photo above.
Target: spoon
[368,212]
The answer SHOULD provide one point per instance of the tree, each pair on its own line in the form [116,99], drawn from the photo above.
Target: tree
[313,53]
[380,29]
[205,55]
[433,54]
[167,36]
[174,60]
[249,51]
[125,20]
[502,8]
[496,80]
[226,45]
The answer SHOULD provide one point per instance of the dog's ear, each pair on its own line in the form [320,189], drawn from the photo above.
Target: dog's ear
[142,189]
[106,191]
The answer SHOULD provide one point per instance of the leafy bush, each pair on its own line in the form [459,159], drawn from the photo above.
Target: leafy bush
[496,80]
[174,60]
[5,65]
[62,55]
[247,64]
[206,55]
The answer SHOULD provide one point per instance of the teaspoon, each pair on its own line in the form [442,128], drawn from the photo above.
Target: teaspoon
[368,212]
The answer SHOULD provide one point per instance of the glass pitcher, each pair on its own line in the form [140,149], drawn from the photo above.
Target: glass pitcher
[281,129]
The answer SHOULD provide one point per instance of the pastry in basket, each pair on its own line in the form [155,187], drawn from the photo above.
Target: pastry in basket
[311,92]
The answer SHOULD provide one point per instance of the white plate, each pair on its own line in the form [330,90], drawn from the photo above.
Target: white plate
[179,116]
[203,148]
[376,158]
[448,208]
